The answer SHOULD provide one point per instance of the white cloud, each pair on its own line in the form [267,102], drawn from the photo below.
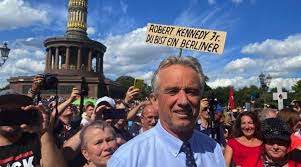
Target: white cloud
[280,58]
[91,30]
[240,82]
[284,82]
[17,13]
[291,46]
[128,54]
[147,76]
[25,58]
[237,82]
[240,64]
[288,64]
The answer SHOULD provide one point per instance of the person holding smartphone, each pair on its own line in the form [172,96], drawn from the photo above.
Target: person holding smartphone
[24,142]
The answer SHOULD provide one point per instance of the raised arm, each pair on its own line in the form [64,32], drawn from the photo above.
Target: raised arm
[132,113]
[64,105]
[50,154]
[130,94]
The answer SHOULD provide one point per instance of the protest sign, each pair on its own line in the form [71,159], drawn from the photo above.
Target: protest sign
[186,38]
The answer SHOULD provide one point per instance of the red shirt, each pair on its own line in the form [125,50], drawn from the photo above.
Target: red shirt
[295,141]
[244,156]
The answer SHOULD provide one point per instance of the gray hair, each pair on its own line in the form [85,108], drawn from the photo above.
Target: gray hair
[98,124]
[187,61]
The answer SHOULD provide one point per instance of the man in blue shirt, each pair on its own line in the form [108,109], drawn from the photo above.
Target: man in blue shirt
[178,85]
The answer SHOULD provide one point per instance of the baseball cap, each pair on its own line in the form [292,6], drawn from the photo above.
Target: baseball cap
[219,108]
[106,99]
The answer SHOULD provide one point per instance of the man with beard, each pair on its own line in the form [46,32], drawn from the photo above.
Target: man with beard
[178,85]
[26,133]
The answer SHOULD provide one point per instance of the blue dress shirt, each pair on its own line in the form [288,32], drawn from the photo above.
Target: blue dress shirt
[158,148]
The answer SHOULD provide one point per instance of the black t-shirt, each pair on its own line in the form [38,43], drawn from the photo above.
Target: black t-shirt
[61,133]
[25,152]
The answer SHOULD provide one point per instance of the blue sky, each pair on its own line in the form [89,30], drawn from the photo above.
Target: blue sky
[262,36]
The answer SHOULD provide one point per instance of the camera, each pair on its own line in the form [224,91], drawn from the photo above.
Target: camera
[49,81]
[114,114]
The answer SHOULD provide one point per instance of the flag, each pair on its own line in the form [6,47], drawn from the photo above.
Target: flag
[231,104]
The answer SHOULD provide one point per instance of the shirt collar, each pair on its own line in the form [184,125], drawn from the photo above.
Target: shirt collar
[174,144]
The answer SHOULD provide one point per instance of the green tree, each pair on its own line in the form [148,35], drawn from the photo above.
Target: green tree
[246,94]
[125,81]
[222,94]
[297,91]
[128,81]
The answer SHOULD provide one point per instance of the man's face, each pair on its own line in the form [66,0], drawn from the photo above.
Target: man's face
[149,117]
[178,98]
[100,146]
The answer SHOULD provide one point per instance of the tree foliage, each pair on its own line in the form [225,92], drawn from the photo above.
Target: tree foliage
[297,90]
[128,81]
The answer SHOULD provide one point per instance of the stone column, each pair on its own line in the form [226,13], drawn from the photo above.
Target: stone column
[101,63]
[79,58]
[90,59]
[97,62]
[67,62]
[49,59]
[56,64]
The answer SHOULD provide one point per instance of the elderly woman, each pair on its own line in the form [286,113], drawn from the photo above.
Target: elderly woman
[276,140]
[98,143]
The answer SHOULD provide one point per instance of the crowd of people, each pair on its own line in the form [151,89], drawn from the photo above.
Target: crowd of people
[174,126]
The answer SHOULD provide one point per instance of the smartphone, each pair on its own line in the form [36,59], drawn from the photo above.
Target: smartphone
[115,114]
[138,83]
[17,116]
